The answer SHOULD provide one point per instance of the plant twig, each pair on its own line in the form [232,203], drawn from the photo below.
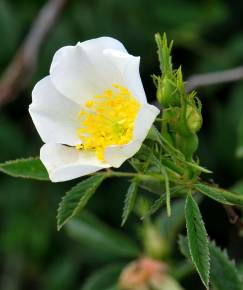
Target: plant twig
[23,64]
[225,76]
[234,218]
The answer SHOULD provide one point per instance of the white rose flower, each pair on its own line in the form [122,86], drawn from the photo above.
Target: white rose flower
[91,111]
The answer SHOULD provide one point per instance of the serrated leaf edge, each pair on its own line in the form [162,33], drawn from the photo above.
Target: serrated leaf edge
[19,175]
[208,272]
[78,207]
[130,197]
[224,252]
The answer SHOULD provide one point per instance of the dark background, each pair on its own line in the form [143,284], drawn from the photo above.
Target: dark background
[208,36]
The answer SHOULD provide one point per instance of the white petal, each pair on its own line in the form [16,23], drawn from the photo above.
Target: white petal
[128,65]
[66,163]
[101,43]
[116,155]
[80,72]
[144,121]
[55,117]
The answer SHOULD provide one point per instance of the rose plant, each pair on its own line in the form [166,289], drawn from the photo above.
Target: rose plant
[92,113]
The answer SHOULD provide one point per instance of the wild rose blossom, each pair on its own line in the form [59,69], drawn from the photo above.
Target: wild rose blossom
[91,111]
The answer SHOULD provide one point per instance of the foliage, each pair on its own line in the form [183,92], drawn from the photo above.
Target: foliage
[76,198]
[27,168]
[168,157]
[197,239]
[129,201]
[30,246]
[224,274]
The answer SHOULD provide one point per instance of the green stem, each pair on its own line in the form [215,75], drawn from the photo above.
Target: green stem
[171,165]
[141,176]
[111,173]
[167,190]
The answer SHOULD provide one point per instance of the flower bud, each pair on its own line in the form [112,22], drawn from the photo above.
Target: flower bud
[194,119]
[146,274]
[170,123]
[167,93]
[139,274]
[187,144]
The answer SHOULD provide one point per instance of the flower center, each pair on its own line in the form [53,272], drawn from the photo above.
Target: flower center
[108,119]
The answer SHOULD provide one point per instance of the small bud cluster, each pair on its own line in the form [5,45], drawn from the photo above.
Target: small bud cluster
[182,117]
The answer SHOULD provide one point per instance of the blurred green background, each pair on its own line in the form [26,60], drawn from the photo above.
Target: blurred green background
[208,36]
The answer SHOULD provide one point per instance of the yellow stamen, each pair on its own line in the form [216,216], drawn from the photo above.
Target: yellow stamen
[109,120]
[89,103]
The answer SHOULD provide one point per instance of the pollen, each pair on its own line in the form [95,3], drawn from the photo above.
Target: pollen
[107,119]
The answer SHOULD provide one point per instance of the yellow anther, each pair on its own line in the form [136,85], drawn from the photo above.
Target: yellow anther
[116,86]
[109,121]
[108,93]
[79,146]
[81,113]
[89,103]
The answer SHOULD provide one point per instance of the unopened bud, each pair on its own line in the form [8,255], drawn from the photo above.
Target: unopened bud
[167,94]
[139,274]
[146,274]
[194,119]
[187,144]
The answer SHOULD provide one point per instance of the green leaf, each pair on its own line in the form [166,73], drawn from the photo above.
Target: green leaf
[103,279]
[224,275]
[197,166]
[220,195]
[77,197]
[183,246]
[156,205]
[198,241]
[211,192]
[99,239]
[26,168]
[129,201]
